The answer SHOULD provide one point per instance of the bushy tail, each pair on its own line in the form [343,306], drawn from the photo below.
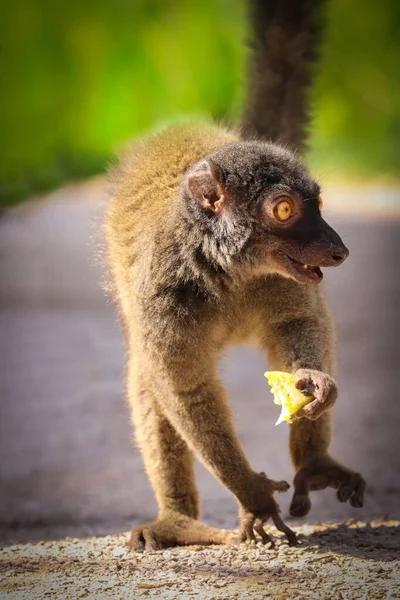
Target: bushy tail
[284,50]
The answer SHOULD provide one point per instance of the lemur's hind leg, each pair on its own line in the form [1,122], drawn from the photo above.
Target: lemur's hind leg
[169,465]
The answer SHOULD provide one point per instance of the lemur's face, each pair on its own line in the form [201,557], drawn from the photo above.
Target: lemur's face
[302,242]
[260,210]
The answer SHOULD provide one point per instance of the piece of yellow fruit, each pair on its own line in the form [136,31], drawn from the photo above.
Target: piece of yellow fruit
[286,394]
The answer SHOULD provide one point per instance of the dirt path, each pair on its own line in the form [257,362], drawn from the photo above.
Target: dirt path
[346,562]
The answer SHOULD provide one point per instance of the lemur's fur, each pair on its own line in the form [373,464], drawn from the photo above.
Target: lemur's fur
[200,260]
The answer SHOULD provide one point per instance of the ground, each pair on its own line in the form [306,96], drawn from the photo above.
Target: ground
[68,465]
[347,561]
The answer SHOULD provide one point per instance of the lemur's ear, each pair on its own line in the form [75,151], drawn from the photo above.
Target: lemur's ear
[204,184]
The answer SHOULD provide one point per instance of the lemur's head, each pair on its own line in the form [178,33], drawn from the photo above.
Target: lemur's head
[258,205]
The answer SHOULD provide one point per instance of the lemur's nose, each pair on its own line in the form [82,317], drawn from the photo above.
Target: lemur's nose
[338,253]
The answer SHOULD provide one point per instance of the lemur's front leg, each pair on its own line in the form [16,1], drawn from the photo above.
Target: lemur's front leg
[304,346]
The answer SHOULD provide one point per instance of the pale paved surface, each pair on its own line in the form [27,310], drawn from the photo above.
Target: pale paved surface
[66,456]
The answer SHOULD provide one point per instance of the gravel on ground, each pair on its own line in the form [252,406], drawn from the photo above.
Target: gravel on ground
[346,561]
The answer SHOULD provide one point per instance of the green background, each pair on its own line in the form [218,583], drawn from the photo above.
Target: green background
[80,78]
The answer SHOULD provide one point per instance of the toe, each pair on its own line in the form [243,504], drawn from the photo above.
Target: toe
[356,502]
[314,410]
[265,538]
[357,499]
[242,536]
[344,493]
[234,540]
[284,486]
[352,490]
[292,539]
[136,541]
[150,540]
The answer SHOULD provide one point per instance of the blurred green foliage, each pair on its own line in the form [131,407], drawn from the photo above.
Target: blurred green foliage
[80,78]
[357,96]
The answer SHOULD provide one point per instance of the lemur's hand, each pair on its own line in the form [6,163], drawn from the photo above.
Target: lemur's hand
[253,519]
[321,386]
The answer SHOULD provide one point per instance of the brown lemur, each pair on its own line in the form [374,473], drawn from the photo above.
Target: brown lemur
[216,236]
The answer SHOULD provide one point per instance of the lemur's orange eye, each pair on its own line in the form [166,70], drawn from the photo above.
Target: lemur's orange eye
[320,203]
[283,210]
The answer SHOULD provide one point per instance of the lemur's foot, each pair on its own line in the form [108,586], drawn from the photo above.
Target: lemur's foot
[321,473]
[175,529]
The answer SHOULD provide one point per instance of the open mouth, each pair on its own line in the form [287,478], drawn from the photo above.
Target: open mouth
[303,272]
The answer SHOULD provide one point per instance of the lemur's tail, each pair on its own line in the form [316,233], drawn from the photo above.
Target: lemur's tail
[284,50]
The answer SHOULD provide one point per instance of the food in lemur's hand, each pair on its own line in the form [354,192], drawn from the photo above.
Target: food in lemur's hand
[286,394]
[213,236]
